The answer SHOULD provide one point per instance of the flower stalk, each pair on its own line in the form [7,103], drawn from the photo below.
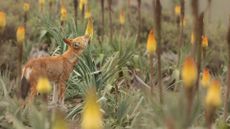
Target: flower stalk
[139,20]
[157,15]
[110,20]
[75,3]
[26,8]
[102,18]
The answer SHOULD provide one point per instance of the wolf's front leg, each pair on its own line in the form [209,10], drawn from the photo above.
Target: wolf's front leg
[61,95]
[33,93]
[54,101]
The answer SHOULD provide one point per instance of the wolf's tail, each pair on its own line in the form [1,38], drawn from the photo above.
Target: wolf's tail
[25,86]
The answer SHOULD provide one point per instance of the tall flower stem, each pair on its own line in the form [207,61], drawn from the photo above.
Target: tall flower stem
[102,18]
[83,12]
[75,11]
[25,19]
[139,20]
[189,95]
[195,10]
[151,72]
[199,34]
[20,54]
[158,9]
[110,20]
[154,5]
[180,40]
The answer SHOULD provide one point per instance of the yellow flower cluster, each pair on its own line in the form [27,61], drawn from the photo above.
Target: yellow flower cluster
[213,97]
[26,7]
[189,72]
[82,3]
[192,38]
[89,29]
[20,34]
[43,85]
[122,17]
[204,41]
[206,78]
[91,115]
[151,43]
[2,21]
[177,10]
[63,14]
[88,13]
[41,4]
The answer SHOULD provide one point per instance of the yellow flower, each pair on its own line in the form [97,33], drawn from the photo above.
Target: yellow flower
[43,85]
[206,78]
[192,38]
[151,43]
[189,72]
[82,3]
[183,22]
[20,34]
[59,121]
[41,4]
[91,115]
[89,29]
[63,13]
[177,10]
[204,41]
[2,21]
[26,7]
[213,97]
[122,17]
[88,12]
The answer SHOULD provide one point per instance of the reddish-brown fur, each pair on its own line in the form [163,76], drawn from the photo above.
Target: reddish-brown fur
[56,68]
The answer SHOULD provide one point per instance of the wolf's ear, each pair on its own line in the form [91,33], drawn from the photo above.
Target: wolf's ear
[68,41]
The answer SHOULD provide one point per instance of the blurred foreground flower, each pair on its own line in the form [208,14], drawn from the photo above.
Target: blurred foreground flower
[122,17]
[26,7]
[43,85]
[89,29]
[63,14]
[2,21]
[82,3]
[20,34]
[192,38]
[213,97]
[206,78]
[189,72]
[204,41]
[88,12]
[177,10]
[41,4]
[151,43]
[59,121]
[91,115]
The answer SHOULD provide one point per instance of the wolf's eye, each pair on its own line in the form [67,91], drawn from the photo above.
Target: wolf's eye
[76,44]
